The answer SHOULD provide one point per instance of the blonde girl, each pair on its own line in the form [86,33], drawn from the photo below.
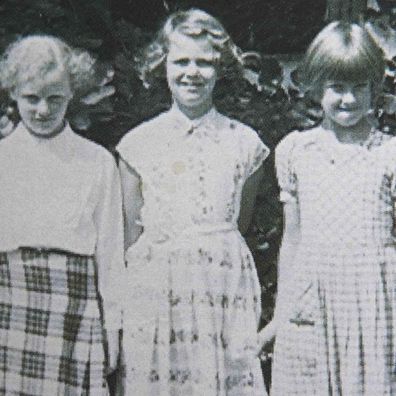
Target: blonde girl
[61,249]
[189,179]
[336,301]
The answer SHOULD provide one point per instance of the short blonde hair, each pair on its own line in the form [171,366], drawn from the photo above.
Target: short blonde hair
[343,51]
[35,56]
[192,23]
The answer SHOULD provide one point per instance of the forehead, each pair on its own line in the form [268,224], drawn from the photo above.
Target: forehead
[181,45]
[54,81]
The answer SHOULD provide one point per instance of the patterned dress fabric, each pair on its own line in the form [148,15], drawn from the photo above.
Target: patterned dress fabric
[191,318]
[50,326]
[340,337]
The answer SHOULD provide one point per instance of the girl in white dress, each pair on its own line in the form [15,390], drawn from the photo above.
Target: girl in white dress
[189,178]
[335,314]
[61,248]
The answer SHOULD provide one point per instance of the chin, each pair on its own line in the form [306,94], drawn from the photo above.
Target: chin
[43,131]
[348,122]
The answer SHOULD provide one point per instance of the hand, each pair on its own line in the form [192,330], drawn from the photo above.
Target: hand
[265,338]
[112,349]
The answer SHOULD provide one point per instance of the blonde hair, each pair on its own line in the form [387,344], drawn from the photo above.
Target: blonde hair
[193,23]
[35,56]
[343,51]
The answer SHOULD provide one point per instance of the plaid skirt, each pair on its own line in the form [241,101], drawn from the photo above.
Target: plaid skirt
[51,339]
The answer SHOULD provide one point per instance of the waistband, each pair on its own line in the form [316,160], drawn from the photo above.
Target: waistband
[41,251]
[190,231]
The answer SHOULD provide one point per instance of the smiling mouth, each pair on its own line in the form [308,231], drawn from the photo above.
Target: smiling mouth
[191,84]
[43,120]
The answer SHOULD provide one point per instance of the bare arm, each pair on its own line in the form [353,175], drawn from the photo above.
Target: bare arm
[290,241]
[248,200]
[132,202]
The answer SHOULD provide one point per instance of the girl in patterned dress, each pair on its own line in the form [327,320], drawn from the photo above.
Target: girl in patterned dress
[61,249]
[189,178]
[335,314]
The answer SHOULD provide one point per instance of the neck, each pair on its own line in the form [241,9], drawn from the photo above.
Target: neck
[47,136]
[196,112]
[349,134]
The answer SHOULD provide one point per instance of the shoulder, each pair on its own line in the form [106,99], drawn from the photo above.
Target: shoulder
[142,134]
[235,126]
[296,141]
[90,151]
[243,133]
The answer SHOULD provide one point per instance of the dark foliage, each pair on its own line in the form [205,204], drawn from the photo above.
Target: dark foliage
[267,98]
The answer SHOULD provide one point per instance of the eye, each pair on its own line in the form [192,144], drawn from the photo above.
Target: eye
[32,99]
[181,61]
[205,62]
[362,86]
[56,99]
[335,87]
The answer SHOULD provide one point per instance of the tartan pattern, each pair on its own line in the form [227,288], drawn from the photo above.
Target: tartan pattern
[51,339]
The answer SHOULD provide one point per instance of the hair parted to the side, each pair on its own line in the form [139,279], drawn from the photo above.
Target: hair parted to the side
[193,23]
[36,55]
[343,51]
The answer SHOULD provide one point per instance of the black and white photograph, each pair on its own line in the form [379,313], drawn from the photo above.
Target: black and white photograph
[198,198]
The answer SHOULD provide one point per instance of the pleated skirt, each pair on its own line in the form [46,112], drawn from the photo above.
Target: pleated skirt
[51,338]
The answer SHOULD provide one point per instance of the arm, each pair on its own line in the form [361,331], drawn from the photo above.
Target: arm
[248,199]
[133,202]
[109,254]
[290,241]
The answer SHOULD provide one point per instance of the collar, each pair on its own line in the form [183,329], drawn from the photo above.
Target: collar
[185,126]
[22,134]
[338,152]
[62,145]
[373,139]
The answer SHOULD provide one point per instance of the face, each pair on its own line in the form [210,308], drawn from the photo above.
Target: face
[191,72]
[42,102]
[346,103]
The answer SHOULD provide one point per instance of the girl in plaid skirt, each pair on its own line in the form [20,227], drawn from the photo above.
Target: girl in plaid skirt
[336,306]
[61,248]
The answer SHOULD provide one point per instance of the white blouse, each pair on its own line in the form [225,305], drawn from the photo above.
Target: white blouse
[64,193]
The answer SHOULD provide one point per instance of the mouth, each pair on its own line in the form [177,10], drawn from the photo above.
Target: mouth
[43,120]
[347,109]
[191,84]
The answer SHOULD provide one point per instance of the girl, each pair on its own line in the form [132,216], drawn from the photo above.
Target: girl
[336,301]
[61,252]
[193,306]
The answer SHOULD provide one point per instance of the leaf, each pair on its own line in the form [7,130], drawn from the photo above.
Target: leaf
[389,103]
[385,36]
[88,43]
[81,120]
[107,78]
[99,94]
[253,78]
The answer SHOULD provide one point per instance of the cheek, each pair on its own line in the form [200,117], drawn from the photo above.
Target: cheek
[210,76]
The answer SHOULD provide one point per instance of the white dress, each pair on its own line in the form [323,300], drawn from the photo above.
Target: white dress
[191,316]
[340,337]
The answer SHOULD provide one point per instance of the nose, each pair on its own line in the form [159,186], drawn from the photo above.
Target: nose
[42,108]
[348,97]
[192,69]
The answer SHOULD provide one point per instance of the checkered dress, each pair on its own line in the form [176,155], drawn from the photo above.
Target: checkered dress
[50,326]
[340,336]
